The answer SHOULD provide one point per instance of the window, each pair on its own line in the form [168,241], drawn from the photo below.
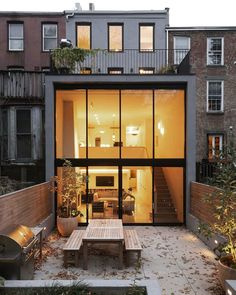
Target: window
[215,51]
[181,48]
[146,71]
[146,37]
[16,36]
[4,133]
[15,68]
[215,96]
[85,71]
[84,36]
[115,71]
[49,36]
[215,144]
[23,134]
[115,37]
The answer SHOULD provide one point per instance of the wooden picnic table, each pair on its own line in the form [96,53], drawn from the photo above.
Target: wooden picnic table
[105,223]
[102,233]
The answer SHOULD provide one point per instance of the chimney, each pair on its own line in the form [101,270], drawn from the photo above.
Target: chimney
[91,6]
[78,7]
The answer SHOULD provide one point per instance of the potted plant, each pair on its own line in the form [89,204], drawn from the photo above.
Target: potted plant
[223,202]
[64,59]
[68,186]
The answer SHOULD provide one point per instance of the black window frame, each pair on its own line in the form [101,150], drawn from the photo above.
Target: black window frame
[108,36]
[76,32]
[153,36]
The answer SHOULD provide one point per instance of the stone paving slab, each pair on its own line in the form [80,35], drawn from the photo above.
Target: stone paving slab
[174,256]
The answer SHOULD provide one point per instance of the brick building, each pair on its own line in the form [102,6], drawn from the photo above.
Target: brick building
[212,59]
[25,41]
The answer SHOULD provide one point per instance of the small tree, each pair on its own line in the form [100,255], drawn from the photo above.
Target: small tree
[68,185]
[223,201]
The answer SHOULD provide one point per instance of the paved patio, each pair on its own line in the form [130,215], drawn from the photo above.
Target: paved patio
[172,255]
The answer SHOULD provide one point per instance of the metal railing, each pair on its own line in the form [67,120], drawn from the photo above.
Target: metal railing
[21,84]
[131,61]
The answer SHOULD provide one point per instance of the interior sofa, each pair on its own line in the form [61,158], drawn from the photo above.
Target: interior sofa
[111,196]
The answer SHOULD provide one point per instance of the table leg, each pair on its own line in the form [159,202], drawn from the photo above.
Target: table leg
[120,255]
[85,254]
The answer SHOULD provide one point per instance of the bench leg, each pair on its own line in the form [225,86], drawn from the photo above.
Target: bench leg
[65,258]
[120,255]
[76,258]
[85,255]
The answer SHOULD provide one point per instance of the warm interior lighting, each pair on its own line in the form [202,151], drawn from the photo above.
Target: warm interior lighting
[161,128]
[134,130]
[102,131]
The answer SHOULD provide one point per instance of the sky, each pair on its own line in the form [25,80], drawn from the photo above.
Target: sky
[182,12]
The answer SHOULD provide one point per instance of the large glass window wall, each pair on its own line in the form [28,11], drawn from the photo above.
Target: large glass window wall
[139,137]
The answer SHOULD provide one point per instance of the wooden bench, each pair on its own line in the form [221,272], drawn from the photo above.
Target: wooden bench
[132,243]
[72,247]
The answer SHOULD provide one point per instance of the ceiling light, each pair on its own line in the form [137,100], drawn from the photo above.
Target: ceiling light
[134,130]
[102,131]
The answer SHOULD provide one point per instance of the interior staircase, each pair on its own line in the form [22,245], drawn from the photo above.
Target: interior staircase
[164,209]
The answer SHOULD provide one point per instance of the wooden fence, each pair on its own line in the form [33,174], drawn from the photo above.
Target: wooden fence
[29,206]
[199,208]
[21,84]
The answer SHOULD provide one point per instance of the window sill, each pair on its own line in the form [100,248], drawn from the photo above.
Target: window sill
[215,113]
[215,66]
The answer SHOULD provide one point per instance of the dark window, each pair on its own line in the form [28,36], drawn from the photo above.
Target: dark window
[23,134]
[115,37]
[104,180]
[215,96]
[49,36]
[16,36]
[215,50]
[4,134]
[115,71]
[146,37]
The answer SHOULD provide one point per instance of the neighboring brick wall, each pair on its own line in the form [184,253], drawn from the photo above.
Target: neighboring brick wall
[198,207]
[29,206]
[206,122]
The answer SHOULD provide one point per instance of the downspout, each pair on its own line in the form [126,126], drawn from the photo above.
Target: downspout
[69,15]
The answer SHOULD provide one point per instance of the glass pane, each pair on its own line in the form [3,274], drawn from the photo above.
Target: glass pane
[146,38]
[137,194]
[23,146]
[115,38]
[83,37]
[168,195]
[71,124]
[137,123]
[50,44]
[77,198]
[169,124]
[23,121]
[50,30]
[181,48]
[16,45]
[16,30]
[103,124]
[103,192]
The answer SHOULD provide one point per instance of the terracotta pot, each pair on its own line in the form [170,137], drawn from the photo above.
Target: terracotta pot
[226,272]
[66,226]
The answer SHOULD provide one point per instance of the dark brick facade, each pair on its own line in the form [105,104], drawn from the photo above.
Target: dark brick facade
[208,122]
[32,58]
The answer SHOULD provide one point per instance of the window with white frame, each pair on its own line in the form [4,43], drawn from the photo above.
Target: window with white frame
[49,36]
[181,48]
[215,145]
[215,51]
[215,96]
[16,36]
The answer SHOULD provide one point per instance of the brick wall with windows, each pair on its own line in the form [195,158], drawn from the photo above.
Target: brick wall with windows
[26,37]
[212,118]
